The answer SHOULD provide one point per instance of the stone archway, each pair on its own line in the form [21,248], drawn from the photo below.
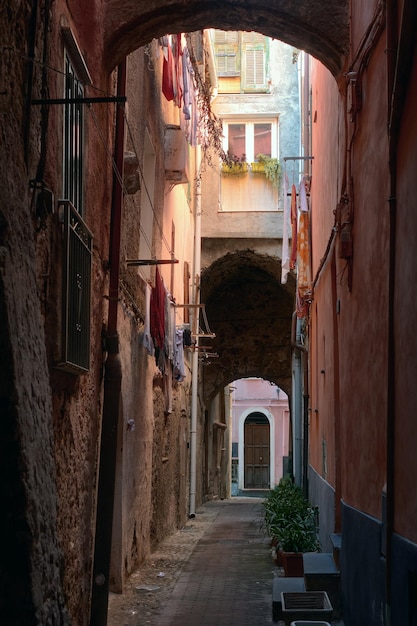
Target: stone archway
[321,29]
[250,312]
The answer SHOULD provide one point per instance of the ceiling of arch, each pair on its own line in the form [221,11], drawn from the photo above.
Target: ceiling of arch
[250,312]
[320,28]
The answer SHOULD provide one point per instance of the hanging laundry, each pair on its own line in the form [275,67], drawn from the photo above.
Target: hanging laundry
[169,326]
[303,256]
[167,75]
[293,258]
[174,71]
[187,338]
[193,138]
[157,306]
[285,259]
[186,82]
[179,364]
[177,70]
[147,338]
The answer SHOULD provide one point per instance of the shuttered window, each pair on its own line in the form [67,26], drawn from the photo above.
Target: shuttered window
[254,75]
[255,56]
[244,55]
[226,49]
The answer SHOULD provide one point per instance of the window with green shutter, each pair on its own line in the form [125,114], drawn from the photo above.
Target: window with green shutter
[255,62]
[226,50]
[245,55]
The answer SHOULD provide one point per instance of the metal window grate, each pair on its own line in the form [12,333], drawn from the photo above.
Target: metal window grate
[76,291]
[73,138]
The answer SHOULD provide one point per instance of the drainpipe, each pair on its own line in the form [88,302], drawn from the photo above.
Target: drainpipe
[392,47]
[194,364]
[300,408]
[112,387]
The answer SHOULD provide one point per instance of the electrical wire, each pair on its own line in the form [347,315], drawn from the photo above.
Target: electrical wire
[103,140]
[114,168]
[56,70]
[146,188]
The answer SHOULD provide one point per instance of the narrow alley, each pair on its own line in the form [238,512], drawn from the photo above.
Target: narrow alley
[207,252]
[217,570]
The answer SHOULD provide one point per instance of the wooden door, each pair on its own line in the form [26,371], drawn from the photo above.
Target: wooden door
[257,456]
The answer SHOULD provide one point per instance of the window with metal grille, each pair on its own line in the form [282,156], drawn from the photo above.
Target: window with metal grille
[73,165]
[77,253]
[77,239]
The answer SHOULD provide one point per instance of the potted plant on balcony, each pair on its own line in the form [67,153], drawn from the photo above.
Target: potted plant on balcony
[270,166]
[232,164]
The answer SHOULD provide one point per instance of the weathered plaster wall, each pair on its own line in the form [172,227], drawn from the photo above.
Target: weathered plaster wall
[352,297]
[153,457]
[363,311]
[363,308]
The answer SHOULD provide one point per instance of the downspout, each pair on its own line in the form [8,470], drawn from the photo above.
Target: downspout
[392,58]
[300,426]
[195,318]
[112,386]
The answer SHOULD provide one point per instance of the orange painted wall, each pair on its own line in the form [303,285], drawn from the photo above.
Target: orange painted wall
[349,314]
[405,335]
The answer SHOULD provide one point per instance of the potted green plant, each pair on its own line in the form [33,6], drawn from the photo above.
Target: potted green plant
[270,166]
[298,535]
[292,524]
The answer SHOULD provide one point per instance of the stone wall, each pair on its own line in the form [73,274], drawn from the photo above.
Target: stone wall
[31,561]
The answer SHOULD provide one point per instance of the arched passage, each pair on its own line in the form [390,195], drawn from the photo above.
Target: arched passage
[322,29]
[250,312]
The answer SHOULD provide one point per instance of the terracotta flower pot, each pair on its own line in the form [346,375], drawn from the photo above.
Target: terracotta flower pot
[293,564]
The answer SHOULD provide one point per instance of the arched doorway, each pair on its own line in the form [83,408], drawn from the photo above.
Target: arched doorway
[257,451]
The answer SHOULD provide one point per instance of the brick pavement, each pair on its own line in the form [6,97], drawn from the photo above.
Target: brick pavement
[224,579]
[228,579]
